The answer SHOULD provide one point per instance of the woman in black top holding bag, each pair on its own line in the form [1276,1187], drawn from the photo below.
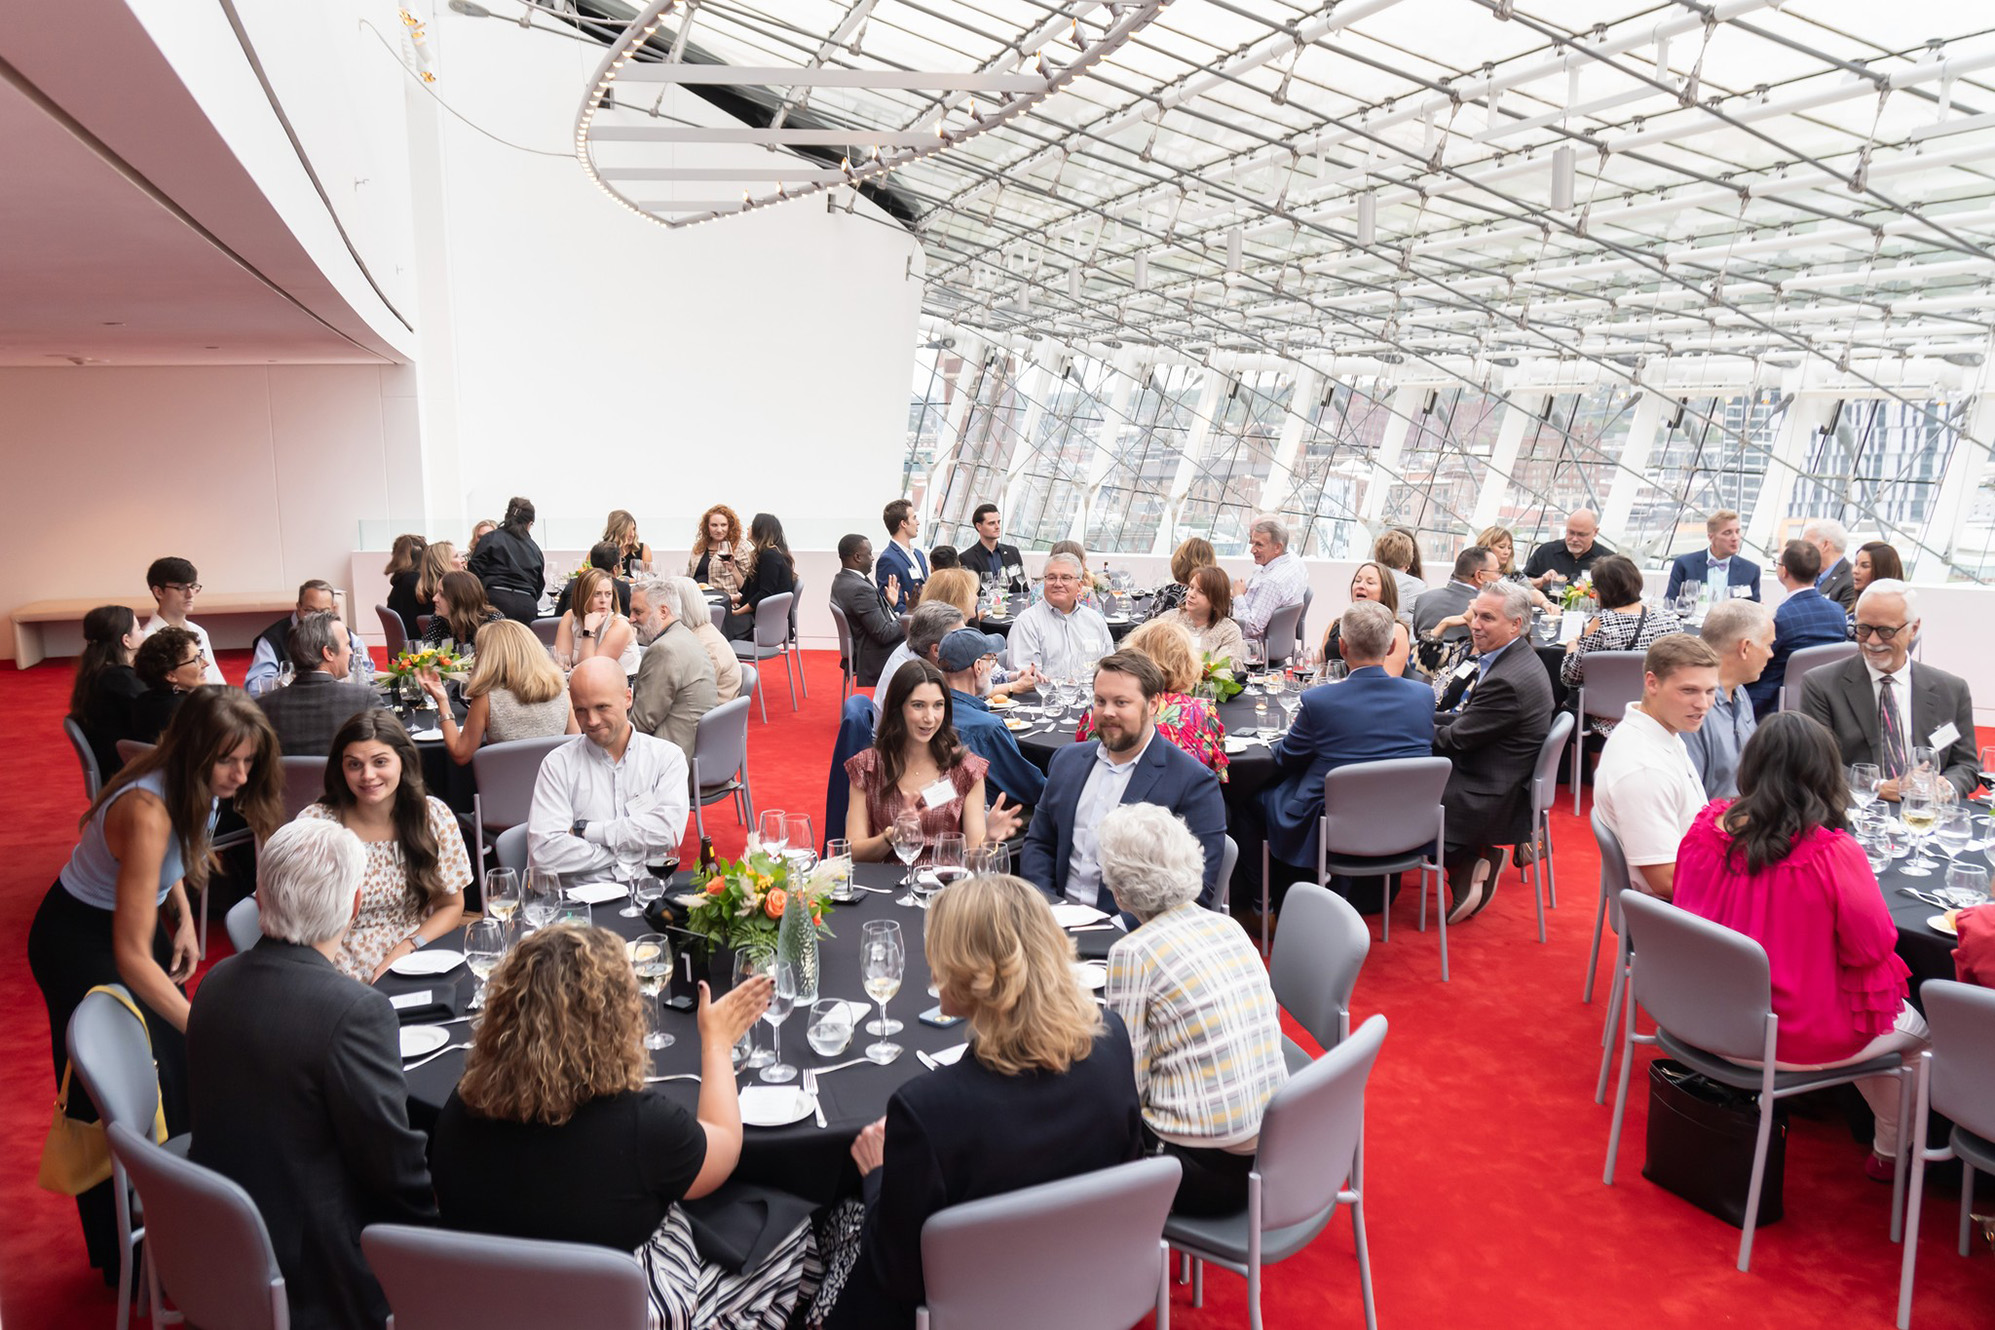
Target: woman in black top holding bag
[511,566]
[775,572]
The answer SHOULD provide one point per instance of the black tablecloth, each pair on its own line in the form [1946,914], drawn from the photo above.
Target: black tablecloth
[1925,950]
[442,777]
[1247,770]
[802,1158]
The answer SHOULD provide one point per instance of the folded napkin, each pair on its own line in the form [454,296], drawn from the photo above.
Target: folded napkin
[1068,914]
[738,1225]
[948,1057]
[597,893]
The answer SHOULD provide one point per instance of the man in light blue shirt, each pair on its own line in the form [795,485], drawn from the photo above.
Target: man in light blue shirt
[1741,632]
[967,658]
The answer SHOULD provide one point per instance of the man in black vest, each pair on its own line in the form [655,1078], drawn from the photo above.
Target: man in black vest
[266,663]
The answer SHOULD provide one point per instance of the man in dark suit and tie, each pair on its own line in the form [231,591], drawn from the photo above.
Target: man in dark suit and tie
[1880,705]
[1127,762]
[295,1082]
[1493,717]
[1721,564]
[321,697]
[1804,619]
[1838,579]
[902,568]
[876,629]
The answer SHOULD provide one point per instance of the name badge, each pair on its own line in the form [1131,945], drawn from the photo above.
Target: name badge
[405,1001]
[1742,593]
[1943,737]
[1465,669]
[938,794]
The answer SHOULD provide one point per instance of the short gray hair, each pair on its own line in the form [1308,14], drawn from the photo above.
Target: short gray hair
[692,602]
[1891,586]
[309,640]
[1149,859]
[1072,561]
[306,877]
[1731,622]
[1828,531]
[1366,629]
[1272,528]
[661,594]
[1516,600]
[929,624]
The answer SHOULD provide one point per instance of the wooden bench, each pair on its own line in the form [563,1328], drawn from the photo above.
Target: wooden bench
[213,610]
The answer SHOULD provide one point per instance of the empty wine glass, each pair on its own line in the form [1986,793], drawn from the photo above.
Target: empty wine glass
[484,945]
[1988,767]
[771,832]
[1290,699]
[1967,884]
[538,897]
[502,894]
[945,865]
[782,1000]
[1863,784]
[1953,830]
[747,965]
[987,859]
[882,962]
[651,958]
[798,835]
[908,845]
[649,891]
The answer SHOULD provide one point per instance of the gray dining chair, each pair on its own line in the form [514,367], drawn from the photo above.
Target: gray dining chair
[206,1245]
[1309,1161]
[436,1279]
[1956,1079]
[1612,680]
[1229,856]
[720,762]
[792,644]
[244,924]
[772,618]
[971,1254]
[1710,992]
[717,611]
[394,633]
[304,782]
[1544,793]
[847,663]
[110,1054]
[1302,621]
[86,757]
[1614,880]
[545,630]
[129,749]
[505,774]
[510,848]
[1804,660]
[751,687]
[1318,955]
[1280,636]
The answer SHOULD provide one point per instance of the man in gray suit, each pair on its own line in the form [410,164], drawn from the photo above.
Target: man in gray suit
[675,682]
[322,695]
[1837,581]
[1443,613]
[876,629]
[1880,706]
[295,1081]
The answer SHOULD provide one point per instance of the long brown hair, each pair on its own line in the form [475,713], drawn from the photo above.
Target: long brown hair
[470,608]
[621,522]
[438,561]
[212,723]
[420,852]
[891,740]
[587,583]
[402,555]
[104,631]
[563,1025]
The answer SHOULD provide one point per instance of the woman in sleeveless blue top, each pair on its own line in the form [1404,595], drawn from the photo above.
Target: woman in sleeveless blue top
[119,914]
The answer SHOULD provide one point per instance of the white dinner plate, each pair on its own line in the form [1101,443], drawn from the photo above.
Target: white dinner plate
[1092,974]
[1944,923]
[774,1105]
[424,736]
[1115,618]
[598,893]
[1067,914]
[1015,725]
[420,1039]
[430,960]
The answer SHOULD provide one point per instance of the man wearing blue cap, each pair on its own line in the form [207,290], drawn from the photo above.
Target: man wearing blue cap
[967,657]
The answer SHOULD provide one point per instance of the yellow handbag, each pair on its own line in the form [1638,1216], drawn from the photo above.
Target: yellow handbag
[77,1155]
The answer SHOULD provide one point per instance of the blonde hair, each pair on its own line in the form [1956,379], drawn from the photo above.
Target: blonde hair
[1395,549]
[996,953]
[951,586]
[1169,645]
[438,558]
[620,521]
[1490,535]
[563,1025]
[511,657]
[587,583]
[1191,555]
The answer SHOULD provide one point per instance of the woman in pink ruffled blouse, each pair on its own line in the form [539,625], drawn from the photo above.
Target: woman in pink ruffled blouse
[1779,865]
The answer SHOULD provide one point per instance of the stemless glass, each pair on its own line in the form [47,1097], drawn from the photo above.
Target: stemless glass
[1863,784]
[770,834]
[484,945]
[882,962]
[538,897]
[649,891]
[908,844]
[502,894]
[838,853]
[986,859]
[830,1028]
[651,958]
[574,912]
[1967,884]
[782,1000]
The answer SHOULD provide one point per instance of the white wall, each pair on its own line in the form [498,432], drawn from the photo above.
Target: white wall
[259,474]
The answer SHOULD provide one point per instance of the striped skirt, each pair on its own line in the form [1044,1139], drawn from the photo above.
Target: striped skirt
[687,1293]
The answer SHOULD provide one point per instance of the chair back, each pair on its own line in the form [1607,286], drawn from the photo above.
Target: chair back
[838,621]
[439,1280]
[131,749]
[1228,857]
[506,773]
[1962,1018]
[545,629]
[1612,680]
[1806,659]
[112,1056]
[717,612]
[510,848]
[796,598]
[751,679]
[1302,620]
[1545,776]
[1382,808]
[971,1254]
[93,779]
[1280,638]
[1318,953]
[772,620]
[1703,982]
[1310,1131]
[394,633]
[720,742]
[304,782]
[1613,867]
[204,1238]
[244,924]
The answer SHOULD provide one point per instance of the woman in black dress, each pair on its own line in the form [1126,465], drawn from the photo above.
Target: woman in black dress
[775,572]
[106,686]
[402,571]
[511,566]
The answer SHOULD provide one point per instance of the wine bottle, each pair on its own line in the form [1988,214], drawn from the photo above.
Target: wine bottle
[706,856]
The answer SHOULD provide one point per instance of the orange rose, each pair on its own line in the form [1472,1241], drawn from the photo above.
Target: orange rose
[715,887]
[773,903]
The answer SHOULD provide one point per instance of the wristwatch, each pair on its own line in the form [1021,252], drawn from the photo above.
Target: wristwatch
[416,940]
[580,827]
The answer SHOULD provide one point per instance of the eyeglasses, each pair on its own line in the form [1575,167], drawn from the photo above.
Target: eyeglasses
[1879,632]
[196,659]
[191,588]
[1061,577]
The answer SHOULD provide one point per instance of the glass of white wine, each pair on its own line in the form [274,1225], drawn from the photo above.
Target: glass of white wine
[651,959]
[1916,807]
[502,894]
[882,961]
[484,946]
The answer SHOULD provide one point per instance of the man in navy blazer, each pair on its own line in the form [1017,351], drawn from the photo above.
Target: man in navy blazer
[1695,568]
[1806,618]
[902,568]
[1128,762]
[1370,717]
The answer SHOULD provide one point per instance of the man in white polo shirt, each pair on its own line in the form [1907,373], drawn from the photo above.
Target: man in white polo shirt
[1645,787]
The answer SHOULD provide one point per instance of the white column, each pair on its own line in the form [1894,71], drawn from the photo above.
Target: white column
[1385,462]
[1281,474]
[1790,453]
[1632,473]
[1958,486]
[1520,413]
[1196,439]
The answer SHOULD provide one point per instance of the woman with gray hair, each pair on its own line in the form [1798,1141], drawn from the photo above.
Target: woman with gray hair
[697,615]
[1194,995]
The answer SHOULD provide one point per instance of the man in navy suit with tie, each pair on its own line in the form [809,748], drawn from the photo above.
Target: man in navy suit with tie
[901,564]
[1722,563]
[1127,762]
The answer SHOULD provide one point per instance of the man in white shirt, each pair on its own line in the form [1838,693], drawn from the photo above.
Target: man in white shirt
[1278,581]
[266,661]
[174,584]
[614,800]
[1645,788]
[1059,636]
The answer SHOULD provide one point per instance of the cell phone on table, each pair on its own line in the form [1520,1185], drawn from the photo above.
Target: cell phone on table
[933,1016]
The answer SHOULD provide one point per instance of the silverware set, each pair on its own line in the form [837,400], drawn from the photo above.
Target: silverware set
[816,1104]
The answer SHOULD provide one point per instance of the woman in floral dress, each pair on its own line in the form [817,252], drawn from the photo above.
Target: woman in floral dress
[1192,723]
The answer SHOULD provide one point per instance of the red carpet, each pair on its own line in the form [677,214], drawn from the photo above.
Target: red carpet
[1486,1207]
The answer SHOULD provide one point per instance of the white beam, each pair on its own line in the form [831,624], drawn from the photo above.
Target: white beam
[765,138]
[891,80]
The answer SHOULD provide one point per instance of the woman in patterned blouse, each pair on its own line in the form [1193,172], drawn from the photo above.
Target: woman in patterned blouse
[1192,723]
[917,763]
[1623,624]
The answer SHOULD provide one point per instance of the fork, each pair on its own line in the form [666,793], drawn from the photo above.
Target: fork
[839,1066]
[425,1061]
[675,1076]
[816,1105]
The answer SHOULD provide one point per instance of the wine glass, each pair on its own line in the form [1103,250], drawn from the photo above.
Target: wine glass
[1953,830]
[830,1028]
[988,859]
[798,835]
[908,845]
[747,965]
[1967,884]
[484,945]
[1922,760]
[1255,653]
[651,958]
[782,1000]
[771,835]
[649,891]
[882,962]
[1988,767]
[945,865]
[502,894]
[1863,784]
[538,898]
[575,912]
[1916,808]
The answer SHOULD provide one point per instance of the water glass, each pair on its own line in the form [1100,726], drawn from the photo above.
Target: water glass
[502,894]
[782,1001]
[650,890]
[771,837]
[484,946]
[830,1028]
[538,896]
[1967,884]
[945,865]
[838,854]
[747,965]
[798,834]
[908,845]
[1863,784]
[1954,829]
[651,959]
[574,912]
[989,859]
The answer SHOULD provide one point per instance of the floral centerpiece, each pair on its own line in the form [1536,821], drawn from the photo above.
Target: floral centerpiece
[400,678]
[740,904]
[1216,678]
[1578,594]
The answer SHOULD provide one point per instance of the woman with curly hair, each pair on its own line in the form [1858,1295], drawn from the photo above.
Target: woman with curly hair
[552,1133]
[721,557]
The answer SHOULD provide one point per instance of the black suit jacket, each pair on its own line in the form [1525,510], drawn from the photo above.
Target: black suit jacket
[1841,697]
[1494,742]
[1166,775]
[876,630]
[308,713]
[1840,585]
[296,1085]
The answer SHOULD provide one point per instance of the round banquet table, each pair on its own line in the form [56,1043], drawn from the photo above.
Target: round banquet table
[442,777]
[1249,764]
[1926,951]
[1119,625]
[804,1159]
